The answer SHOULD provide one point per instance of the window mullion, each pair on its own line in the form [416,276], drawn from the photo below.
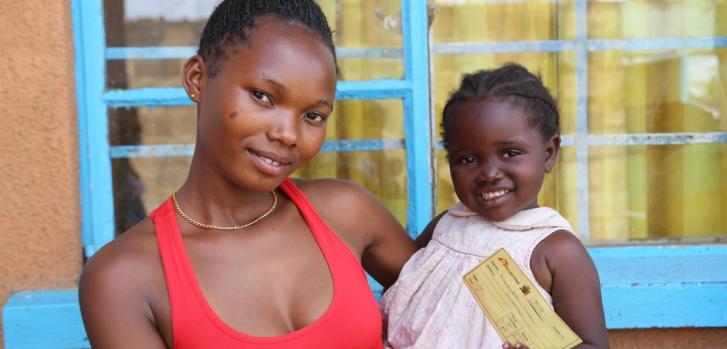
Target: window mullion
[581,136]
[96,183]
[417,125]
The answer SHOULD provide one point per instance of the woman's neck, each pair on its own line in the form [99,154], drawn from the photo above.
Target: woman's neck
[209,197]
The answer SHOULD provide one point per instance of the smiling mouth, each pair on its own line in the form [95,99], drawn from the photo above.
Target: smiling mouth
[494,194]
[269,165]
[269,161]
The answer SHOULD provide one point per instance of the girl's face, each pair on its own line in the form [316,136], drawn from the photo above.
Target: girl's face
[496,159]
[264,113]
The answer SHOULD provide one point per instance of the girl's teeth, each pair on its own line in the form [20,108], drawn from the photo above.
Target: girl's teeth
[494,194]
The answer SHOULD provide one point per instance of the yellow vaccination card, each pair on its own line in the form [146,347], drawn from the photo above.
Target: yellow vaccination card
[518,311]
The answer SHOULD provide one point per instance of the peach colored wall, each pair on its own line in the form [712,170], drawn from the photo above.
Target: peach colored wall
[40,241]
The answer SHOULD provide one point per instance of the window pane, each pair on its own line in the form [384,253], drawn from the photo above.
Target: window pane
[367,119]
[149,126]
[381,172]
[634,19]
[155,23]
[367,35]
[139,73]
[658,91]
[490,21]
[663,191]
[444,193]
[142,184]
[360,25]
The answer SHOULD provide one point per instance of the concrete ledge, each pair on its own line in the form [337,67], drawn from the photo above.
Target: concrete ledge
[44,319]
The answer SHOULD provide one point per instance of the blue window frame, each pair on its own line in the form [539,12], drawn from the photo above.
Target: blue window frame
[643,286]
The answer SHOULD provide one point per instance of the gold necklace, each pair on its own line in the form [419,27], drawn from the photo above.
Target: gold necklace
[217,227]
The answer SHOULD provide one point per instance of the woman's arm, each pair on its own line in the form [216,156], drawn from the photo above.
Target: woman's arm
[116,313]
[423,239]
[575,287]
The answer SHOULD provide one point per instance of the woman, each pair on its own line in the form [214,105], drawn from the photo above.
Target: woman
[241,256]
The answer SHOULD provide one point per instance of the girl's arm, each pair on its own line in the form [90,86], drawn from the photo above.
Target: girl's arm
[561,262]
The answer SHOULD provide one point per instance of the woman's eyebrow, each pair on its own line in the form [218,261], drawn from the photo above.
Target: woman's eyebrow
[282,88]
[279,86]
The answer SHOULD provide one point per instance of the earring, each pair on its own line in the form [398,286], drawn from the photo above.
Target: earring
[192,96]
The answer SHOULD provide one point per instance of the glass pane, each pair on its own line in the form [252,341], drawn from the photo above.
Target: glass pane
[636,19]
[367,34]
[658,91]
[142,184]
[148,126]
[491,21]
[558,190]
[155,23]
[366,24]
[139,73]
[381,172]
[367,119]
[556,69]
[444,193]
[652,192]
[351,119]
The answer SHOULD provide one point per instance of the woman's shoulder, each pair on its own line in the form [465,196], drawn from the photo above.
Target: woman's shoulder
[333,192]
[138,241]
[351,211]
[306,184]
[122,284]
[130,257]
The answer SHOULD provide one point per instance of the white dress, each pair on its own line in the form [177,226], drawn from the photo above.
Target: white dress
[431,307]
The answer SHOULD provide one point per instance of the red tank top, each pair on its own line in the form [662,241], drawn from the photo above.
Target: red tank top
[351,321]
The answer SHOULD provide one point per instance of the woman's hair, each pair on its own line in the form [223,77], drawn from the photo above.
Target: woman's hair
[231,22]
[511,83]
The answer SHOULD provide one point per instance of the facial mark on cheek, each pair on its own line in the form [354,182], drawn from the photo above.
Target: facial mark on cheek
[233,114]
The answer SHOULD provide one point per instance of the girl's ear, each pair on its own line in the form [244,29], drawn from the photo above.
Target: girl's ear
[193,77]
[552,147]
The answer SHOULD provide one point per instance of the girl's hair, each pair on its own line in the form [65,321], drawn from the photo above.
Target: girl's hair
[512,83]
[231,22]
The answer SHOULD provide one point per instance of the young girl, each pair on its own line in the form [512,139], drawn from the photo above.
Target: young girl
[241,256]
[501,133]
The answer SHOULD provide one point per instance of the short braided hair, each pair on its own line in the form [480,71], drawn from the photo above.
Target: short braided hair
[512,83]
[231,22]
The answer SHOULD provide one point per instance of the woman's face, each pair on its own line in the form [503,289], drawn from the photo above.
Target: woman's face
[264,113]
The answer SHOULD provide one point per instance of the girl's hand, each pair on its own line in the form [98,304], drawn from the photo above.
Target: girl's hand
[517,345]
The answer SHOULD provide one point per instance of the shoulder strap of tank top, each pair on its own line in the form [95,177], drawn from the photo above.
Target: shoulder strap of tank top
[306,209]
[171,252]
